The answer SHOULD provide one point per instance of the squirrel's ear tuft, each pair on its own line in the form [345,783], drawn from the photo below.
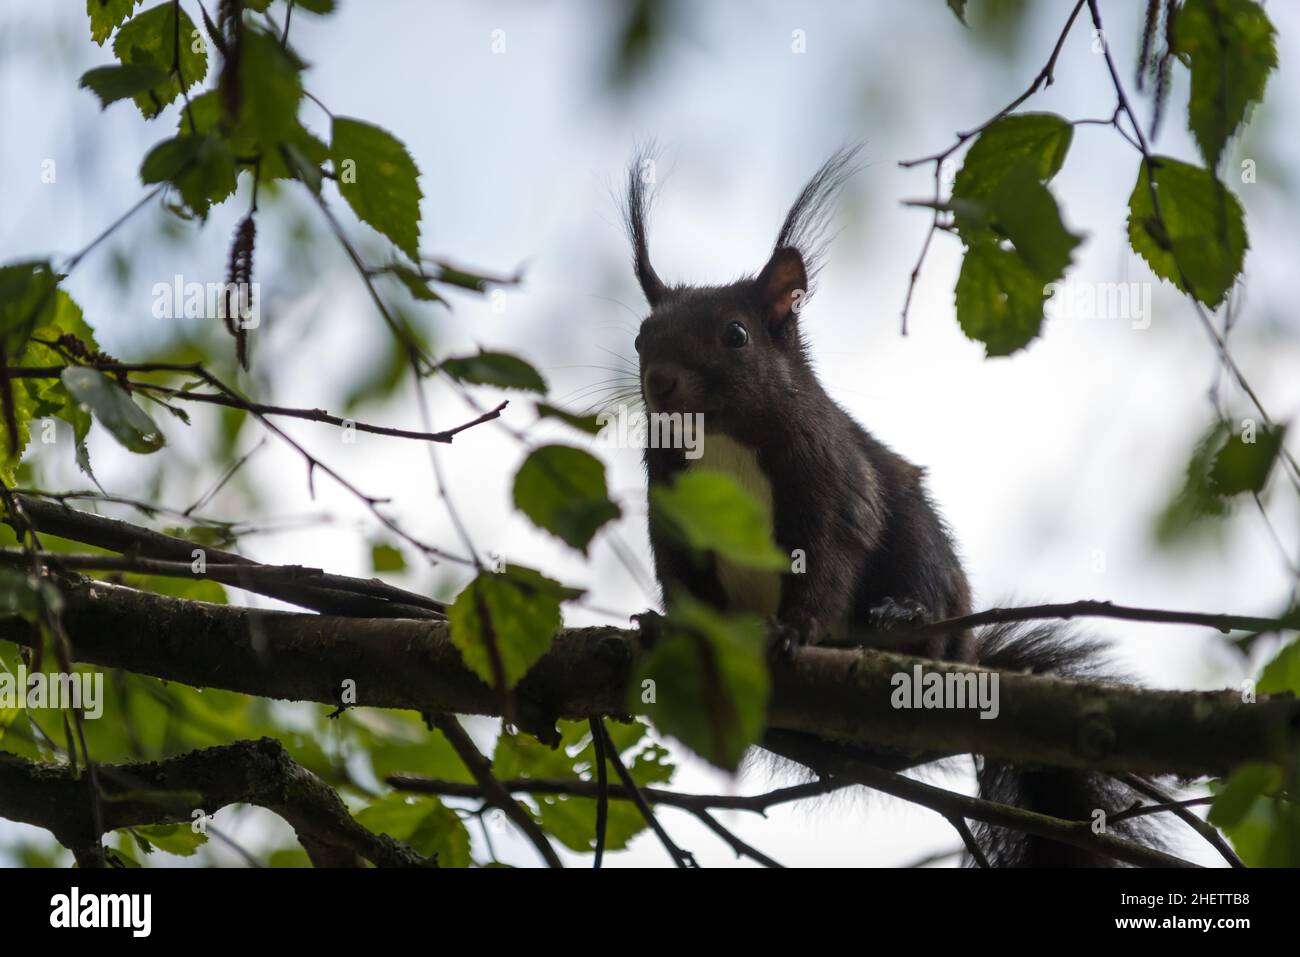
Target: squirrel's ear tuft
[782,285]
[639,177]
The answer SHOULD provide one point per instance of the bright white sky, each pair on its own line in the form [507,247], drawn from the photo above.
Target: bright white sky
[1040,462]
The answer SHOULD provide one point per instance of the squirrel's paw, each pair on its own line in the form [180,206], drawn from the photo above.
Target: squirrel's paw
[650,624]
[785,639]
[891,614]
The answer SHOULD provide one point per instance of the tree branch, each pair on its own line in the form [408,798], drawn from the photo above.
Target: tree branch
[835,694]
[169,792]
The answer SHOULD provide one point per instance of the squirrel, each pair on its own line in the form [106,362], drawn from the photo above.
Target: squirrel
[878,553]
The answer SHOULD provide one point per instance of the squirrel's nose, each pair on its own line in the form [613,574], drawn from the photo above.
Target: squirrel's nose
[660,382]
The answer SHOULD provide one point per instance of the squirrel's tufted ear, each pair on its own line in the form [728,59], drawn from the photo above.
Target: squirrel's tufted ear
[783,285]
[635,214]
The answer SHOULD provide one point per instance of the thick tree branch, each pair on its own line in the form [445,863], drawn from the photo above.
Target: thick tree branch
[837,694]
[314,589]
[171,791]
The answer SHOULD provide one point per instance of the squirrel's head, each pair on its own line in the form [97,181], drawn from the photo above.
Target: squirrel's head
[734,353]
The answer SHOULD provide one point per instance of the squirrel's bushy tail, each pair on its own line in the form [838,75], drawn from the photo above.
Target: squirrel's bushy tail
[1071,794]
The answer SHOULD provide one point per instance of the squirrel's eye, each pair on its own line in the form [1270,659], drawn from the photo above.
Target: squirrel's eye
[736,335]
[636,343]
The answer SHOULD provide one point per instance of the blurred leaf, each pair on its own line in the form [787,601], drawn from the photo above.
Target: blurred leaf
[710,511]
[114,409]
[572,820]
[18,595]
[495,368]
[398,743]
[416,283]
[705,682]
[1200,233]
[1247,783]
[202,168]
[584,423]
[378,178]
[107,15]
[193,589]
[1242,466]
[1262,823]
[270,84]
[1229,48]
[424,823]
[510,617]
[386,558]
[562,490]
[1282,674]
[1195,500]
[149,40]
[113,83]
[640,35]
[178,839]
[958,7]
[305,150]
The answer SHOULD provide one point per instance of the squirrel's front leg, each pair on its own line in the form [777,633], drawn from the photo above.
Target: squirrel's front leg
[815,597]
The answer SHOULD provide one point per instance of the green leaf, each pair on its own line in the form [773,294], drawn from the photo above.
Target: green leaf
[999,298]
[572,820]
[999,195]
[1195,499]
[1248,782]
[1041,138]
[416,283]
[107,15]
[495,368]
[425,823]
[1282,674]
[386,558]
[29,299]
[179,839]
[705,681]
[64,322]
[1229,47]
[149,40]
[710,511]
[1242,466]
[202,168]
[114,409]
[958,7]
[562,489]
[1022,210]
[378,178]
[270,88]
[1200,233]
[113,83]
[507,619]
[584,423]
[305,153]
[18,595]
[26,301]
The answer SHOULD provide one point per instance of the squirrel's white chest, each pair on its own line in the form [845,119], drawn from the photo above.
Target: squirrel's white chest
[747,589]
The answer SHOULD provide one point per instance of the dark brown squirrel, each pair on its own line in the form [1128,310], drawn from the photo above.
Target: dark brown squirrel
[877,552]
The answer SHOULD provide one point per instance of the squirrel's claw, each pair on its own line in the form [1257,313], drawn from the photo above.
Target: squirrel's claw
[891,614]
